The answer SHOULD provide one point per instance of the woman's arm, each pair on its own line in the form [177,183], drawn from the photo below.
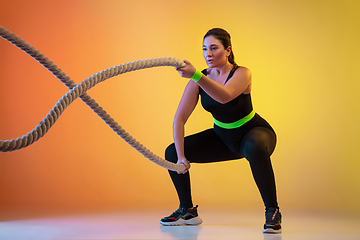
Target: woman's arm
[236,85]
[186,107]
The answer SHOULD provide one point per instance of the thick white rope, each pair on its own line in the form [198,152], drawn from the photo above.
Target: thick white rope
[80,91]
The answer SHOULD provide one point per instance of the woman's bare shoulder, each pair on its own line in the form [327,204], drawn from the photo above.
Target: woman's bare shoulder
[243,71]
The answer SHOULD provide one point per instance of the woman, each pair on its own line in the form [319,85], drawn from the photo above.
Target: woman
[238,131]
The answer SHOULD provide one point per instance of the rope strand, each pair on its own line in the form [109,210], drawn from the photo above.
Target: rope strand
[79,90]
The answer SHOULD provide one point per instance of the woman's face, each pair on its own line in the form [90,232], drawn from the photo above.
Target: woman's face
[214,52]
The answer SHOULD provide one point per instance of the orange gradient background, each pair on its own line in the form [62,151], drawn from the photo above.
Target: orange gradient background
[304,58]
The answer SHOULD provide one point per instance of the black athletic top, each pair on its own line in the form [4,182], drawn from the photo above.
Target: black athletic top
[228,112]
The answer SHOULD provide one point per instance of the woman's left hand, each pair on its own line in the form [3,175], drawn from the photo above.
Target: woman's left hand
[187,71]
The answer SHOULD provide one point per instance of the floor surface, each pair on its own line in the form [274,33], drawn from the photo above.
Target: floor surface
[221,225]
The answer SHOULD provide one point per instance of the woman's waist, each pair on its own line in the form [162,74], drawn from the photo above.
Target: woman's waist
[234,134]
[234,124]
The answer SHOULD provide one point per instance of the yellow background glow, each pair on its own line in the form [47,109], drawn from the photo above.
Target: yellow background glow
[304,58]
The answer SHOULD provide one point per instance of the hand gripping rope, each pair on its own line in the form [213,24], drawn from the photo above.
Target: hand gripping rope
[79,90]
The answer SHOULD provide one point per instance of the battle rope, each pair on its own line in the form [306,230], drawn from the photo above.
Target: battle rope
[79,90]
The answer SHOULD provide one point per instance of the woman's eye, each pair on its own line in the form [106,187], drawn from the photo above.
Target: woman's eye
[213,48]
[204,49]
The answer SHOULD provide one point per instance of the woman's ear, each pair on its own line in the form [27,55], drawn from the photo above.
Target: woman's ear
[228,51]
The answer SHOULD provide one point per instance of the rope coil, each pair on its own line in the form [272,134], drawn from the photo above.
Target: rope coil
[79,90]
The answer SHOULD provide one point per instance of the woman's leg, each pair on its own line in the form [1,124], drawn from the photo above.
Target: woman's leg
[257,146]
[203,147]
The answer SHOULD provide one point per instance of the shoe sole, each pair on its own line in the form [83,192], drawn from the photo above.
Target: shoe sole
[192,221]
[270,230]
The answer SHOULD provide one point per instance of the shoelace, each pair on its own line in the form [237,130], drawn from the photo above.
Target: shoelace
[182,210]
[274,215]
[176,212]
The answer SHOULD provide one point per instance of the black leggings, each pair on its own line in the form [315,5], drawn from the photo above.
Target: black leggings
[256,146]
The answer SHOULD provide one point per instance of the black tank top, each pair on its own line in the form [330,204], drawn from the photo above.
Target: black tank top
[228,112]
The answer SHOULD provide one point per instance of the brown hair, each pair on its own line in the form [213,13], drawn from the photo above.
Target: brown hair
[224,37]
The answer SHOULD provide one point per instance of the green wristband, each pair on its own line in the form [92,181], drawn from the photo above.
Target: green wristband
[197,75]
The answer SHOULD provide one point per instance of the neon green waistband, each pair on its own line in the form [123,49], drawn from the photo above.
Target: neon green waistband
[236,124]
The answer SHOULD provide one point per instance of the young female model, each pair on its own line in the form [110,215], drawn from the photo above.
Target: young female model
[238,131]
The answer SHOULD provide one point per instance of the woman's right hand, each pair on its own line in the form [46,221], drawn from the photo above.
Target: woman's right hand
[185,162]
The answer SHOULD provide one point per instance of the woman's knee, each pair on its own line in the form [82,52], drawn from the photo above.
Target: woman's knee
[258,141]
[170,153]
[251,146]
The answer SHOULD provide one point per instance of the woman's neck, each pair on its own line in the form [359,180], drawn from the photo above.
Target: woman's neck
[224,69]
